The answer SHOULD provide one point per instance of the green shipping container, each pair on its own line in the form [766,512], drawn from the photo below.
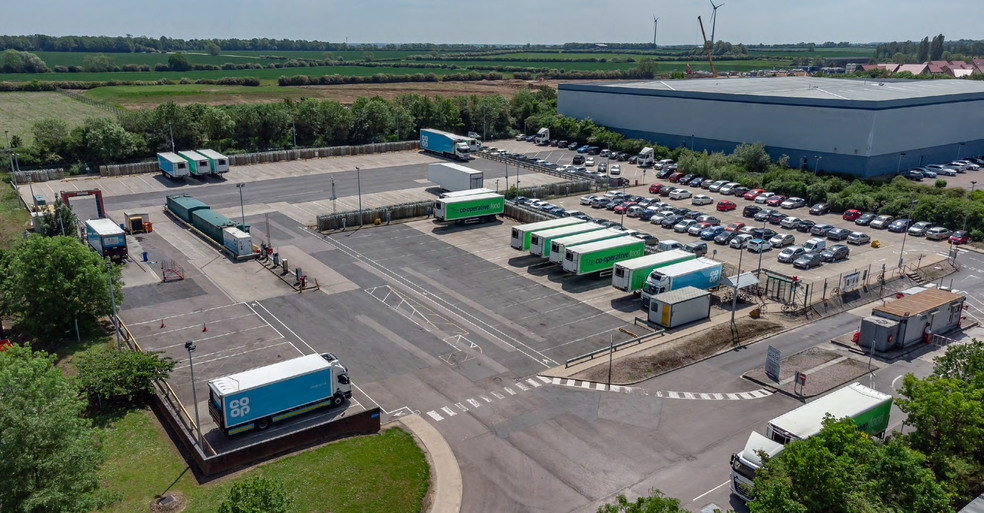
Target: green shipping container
[211,223]
[184,206]
[456,209]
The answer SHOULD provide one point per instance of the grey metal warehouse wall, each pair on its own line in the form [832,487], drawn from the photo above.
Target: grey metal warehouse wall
[863,138]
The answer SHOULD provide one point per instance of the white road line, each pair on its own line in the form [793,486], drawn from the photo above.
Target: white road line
[288,329]
[200,362]
[571,382]
[585,384]
[533,382]
[672,395]
[545,380]
[461,406]
[473,402]
[746,395]
[556,381]
[718,396]
[510,391]
[448,411]
[434,415]
[498,395]
[711,490]
[485,398]
[184,314]
[521,386]
[599,386]
[896,379]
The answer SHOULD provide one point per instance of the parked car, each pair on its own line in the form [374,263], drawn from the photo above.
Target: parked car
[663,173]
[739,191]
[583,149]
[578,160]
[697,228]
[684,225]
[759,245]
[740,241]
[763,215]
[600,202]
[821,229]
[706,183]
[865,219]
[851,215]
[754,193]
[838,234]
[701,199]
[716,186]
[695,182]
[858,238]
[819,209]
[938,233]
[725,237]
[960,237]
[710,233]
[562,143]
[728,188]
[708,219]
[808,260]
[835,253]
[616,169]
[669,221]
[602,167]
[685,179]
[763,197]
[572,145]
[650,240]
[776,217]
[775,201]
[521,137]
[589,162]
[763,233]
[697,248]
[782,240]
[919,229]
[750,210]
[790,254]
[793,203]
[726,206]
[791,222]
[806,225]
[899,225]
[881,222]
[586,200]
[666,190]
[675,177]
[634,211]
[680,194]
[654,188]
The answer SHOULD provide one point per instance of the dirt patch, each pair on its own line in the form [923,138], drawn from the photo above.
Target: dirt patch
[679,352]
[841,369]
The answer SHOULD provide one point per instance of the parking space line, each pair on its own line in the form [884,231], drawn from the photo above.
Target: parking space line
[216,321]
[485,398]
[213,337]
[498,395]
[282,323]
[151,321]
[461,407]
[448,411]
[434,415]
[200,361]
[511,392]
[473,402]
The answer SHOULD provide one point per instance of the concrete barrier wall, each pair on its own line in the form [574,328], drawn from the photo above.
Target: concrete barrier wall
[38,175]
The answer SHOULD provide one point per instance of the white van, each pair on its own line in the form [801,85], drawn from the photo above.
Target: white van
[667,245]
[815,245]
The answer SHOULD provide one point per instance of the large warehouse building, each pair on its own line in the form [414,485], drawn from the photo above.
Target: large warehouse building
[863,127]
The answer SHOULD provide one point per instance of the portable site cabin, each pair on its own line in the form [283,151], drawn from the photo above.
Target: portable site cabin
[198,164]
[218,163]
[911,319]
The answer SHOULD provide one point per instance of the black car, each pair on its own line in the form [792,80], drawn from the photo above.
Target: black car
[623,156]
[835,253]
[663,173]
[561,144]
[820,229]
[670,221]
[578,160]
[522,200]
[593,150]
[725,237]
[647,214]
[686,178]
[739,192]
[865,219]
[776,217]
[573,145]
[763,215]
[820,209]
[838,234]
[763,233]
[808,260]
[806,225]
[697,248]
[751,210]
[650,240]
[693,214]
[665,191]
[599,220]
[554,142]
[680,211]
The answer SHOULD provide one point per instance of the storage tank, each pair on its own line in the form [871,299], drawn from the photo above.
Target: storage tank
[184,206]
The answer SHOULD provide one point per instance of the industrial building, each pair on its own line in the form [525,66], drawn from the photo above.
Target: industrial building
[863,127]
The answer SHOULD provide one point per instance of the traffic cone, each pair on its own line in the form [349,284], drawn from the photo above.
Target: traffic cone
[204,327]
[162,323]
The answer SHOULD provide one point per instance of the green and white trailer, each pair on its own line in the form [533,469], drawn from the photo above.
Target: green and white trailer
[631,275]
[521,234]
[558,247]
[601,256]
[540,241]
[218,163]
[197,164]
[478,208]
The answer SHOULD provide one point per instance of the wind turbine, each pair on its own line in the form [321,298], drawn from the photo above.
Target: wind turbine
[714,18]
[655,25]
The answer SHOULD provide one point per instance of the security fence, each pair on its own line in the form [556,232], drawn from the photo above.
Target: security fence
[350,218]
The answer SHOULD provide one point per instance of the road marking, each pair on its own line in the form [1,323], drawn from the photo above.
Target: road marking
[461,406]
[705,396]
[533,382]
[434,415]
[688,395]
[718,396]
[711,490]
[585,384]
[746,395]
[473,402]
[556,381]
[733,397]
[545,380]
[448,411]
[894,380]
[485,398]
[600,386]
[521,386]
[498,395]
[673,395]
[510,391]
[570,382]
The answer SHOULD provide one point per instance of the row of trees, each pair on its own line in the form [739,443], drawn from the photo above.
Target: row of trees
[935,49]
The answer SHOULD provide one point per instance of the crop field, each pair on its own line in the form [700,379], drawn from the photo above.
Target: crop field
[19,111]
[53,59]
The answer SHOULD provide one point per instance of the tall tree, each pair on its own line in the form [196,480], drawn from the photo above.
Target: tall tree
[50,137]
[923,54]
[936,48]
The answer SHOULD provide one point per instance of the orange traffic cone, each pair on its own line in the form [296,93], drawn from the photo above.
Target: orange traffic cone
[204,327]
[162,323]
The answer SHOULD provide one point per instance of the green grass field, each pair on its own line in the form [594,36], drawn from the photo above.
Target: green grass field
[19,111]
[53,59]
[385,472]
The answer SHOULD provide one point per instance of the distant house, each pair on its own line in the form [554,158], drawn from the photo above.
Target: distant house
[959,73]
[936,69]
[869,67]
[915,69]
[890,66]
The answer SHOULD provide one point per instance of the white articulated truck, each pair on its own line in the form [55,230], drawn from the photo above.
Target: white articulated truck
[558,247]
[521,234]
[455,177]
[867,407]
[469,192]
[702,273]
[631,275]
[540,240]
[600,256]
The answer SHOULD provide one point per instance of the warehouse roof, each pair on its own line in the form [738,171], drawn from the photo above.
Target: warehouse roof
[918,302]
[806,90]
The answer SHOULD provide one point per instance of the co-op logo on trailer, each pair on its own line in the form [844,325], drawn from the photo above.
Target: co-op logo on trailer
[423,141]
[478,208]
[239,407]
[715,274]
[610,258]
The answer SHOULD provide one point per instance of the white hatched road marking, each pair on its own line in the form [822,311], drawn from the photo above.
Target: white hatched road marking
[585,384]
[461,406]
[485,398]
[448,411]
[533,382]
[474,403]
[434,415]
[688,395]
[733,397]
[522,386]
[673,395]
[556,381]
[571,382]
[746,395]
[510,391]
[705,396]
[545,380]
[498,395]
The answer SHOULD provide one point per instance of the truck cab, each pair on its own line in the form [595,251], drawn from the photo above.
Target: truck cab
[542,137]
[645,158]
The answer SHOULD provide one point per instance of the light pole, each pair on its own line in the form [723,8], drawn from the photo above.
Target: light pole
[734,300]
[190,346]
[969,200]
[241,207]
[293,127]
[693,142]
[608,164]
[899,168]
[112,298]
[10,156]
[816,167]
[358,175]
[759,272]
[496,185]
[906,232]
[171,128]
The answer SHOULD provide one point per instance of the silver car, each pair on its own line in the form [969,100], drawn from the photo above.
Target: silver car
[919,229]
[782,239]
[790,254]
[858,238]
[684,225]
[741,241]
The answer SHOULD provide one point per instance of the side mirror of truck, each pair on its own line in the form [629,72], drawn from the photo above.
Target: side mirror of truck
[733,456]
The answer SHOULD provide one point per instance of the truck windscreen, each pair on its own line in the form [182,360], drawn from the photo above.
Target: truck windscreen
[743,469]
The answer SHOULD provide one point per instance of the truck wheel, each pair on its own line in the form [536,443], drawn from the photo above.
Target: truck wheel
[263,423]
[337,400]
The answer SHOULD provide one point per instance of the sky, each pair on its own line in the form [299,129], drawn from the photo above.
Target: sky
[500,21]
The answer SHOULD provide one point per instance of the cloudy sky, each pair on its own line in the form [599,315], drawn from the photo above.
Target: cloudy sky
[501,21]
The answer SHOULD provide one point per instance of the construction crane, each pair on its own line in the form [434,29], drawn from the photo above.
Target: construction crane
[708,48]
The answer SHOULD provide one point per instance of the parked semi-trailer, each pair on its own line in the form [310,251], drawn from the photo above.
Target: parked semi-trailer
[469,192]
[171,165]
[867,407]
[521,234]
[455,177]
[602,255]
[478,208]
[540,241]
[631,275]
[701,273]
[217,163]
[257,398]
[444,143]
[106,238]
[197,164]
[558,247]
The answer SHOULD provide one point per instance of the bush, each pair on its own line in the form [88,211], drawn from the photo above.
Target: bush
[122,375]
[940,183]
[257,494]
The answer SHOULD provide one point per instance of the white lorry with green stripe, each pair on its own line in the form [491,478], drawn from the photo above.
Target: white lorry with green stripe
[521,234]
[540,241]
[631,275]
[601,256]
[558,247]
[477,208]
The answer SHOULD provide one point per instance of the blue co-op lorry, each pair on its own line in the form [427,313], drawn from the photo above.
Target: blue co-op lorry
[701,273]
[257,398]
[445,144]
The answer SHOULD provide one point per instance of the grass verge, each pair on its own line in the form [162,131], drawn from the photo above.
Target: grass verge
[13,218]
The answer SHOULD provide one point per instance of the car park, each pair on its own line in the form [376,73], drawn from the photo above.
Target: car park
[899,225]
[752,194]
[684,225]
[838,233]
[959,237]
[881,222]
[726,206]
[616,169]
[725,237]
[938,233]
[806,225]
[782,240]
[835,253]
[763,215]
[793,202]
[701,199]
[776,217]
[808,260]
[696,228]
[759,245]
[716,186]
[775,201]
[820,230]
[851,215]
[740,241]
[734,227]
[919,229]
[820,209]
[728,188]
[790,222]
[708,219]
[750,210]
[858,238]
[680,194]
[710,233]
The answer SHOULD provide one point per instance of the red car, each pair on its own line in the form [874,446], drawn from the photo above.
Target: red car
[726,206]
[675,177]
[752,194]
[623,207]
[774,201]
[734,227]
[654,188]
[960,237]
[851,215]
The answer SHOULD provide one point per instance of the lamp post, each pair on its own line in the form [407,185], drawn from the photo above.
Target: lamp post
[969,200]
[906,232]
[241,207]
[734,300]
[693,142]
[190,346]
[112,298]
[816,167]
[899,168]
[358,176]
[758,273]
[10,156]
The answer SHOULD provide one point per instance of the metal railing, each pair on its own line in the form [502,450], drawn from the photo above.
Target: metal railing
[613,348]
[350,218]
[606,181]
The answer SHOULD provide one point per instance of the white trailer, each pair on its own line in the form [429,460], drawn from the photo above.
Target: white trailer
[540,241]
[238,242]
[469,192]
[631,275]
[455,177]
[197,163]
[559,246]
[521,234]
[218,163]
